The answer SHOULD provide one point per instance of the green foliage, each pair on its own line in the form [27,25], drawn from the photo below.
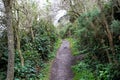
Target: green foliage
[3,55]
[45,37]
[55,48]
[74,46]
[2,75]
[92,39]
[45,74]
[66,31]
[82,72]
[26,72]
[103,72]
[115,26]
[85,34]
[35,52]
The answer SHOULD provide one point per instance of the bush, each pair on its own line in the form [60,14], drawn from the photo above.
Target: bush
[35,52]
[93,40]
[82,72]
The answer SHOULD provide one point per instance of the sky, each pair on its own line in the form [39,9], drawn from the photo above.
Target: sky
[59,14]
[43,3]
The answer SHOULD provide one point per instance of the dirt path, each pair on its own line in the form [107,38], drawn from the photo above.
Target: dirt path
[61,67]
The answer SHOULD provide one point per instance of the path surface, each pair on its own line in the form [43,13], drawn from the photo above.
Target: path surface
[61,67]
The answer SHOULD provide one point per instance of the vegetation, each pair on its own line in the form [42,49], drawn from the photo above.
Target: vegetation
[97,34]
[46,70]
[73,46]
[29,40]
[35,53]
[82,72]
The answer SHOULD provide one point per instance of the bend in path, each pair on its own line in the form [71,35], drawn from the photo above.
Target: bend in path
[61,67]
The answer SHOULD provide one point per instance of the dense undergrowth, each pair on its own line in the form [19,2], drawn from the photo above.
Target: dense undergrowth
[45,72]
[97,35]
[37,53]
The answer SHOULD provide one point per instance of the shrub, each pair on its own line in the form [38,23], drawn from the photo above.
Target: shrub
[82,72]
[93,39]
[35,52]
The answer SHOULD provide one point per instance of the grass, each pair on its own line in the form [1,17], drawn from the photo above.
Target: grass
[45,73]
[73,46]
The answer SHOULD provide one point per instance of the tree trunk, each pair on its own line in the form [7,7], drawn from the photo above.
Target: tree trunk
[110,38]
[18,46]
[107,52]
[32,34]
[17,35]
[10,69]
[109,34]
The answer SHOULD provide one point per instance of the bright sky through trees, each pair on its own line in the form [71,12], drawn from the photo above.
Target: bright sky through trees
[60,13]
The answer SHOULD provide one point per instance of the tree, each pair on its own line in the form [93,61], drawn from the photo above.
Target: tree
[17,36]
[24,13]
[8,11]
[28,12]
[108,31]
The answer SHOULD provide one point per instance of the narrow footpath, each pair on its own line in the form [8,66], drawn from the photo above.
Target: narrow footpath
[61,66]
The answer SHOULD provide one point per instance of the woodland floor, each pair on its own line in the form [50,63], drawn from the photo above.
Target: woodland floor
[61,66]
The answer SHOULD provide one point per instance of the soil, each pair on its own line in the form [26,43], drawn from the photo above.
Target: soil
[61,66]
